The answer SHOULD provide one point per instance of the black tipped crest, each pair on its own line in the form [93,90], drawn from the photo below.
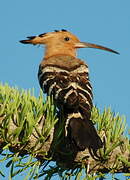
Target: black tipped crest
[25,41]
[64,30]
[56,30]
[41,35]
[31,37]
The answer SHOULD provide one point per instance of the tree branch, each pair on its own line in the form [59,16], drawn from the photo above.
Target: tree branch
[29,125]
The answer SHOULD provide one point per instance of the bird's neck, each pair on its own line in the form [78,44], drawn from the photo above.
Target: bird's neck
[53,51]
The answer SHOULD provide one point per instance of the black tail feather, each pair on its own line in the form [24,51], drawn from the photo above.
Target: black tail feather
[84,134]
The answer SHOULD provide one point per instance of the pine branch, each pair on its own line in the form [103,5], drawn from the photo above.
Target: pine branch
[31,131]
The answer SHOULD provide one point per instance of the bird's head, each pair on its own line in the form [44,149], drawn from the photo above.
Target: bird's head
[61,43]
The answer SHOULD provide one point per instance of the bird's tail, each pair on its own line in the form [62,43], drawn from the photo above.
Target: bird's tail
[81,131]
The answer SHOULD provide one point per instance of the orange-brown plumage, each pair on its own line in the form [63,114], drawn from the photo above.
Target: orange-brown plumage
[66,77]
[57,43]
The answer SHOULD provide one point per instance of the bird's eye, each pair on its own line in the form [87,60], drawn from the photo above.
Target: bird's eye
[66,38]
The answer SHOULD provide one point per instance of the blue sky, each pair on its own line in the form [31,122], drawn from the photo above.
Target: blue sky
[103,22]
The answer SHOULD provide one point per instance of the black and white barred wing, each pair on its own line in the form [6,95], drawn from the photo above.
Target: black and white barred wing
[71,89]
[68,87]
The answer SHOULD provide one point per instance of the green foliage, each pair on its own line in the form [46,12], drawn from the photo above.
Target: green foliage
[112,128]
[21,114]
[25,111]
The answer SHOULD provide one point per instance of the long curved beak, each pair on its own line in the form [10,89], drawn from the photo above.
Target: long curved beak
[90,45]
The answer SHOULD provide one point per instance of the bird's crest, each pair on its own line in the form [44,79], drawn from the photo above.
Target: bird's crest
[39,39]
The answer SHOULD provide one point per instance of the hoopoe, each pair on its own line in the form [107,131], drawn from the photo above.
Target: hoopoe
[65,77]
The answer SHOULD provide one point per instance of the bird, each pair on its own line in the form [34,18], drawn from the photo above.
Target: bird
[64,76]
